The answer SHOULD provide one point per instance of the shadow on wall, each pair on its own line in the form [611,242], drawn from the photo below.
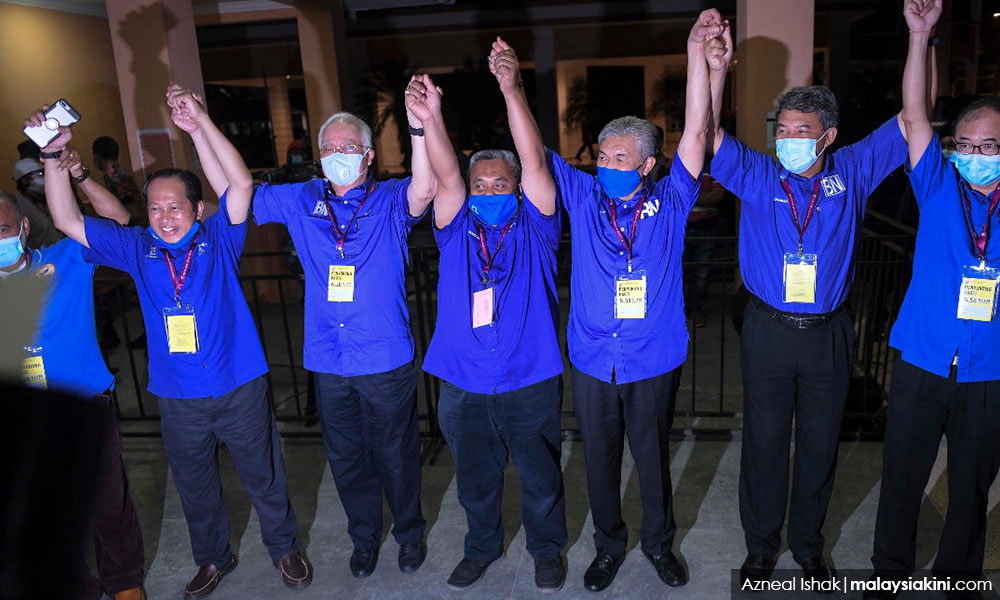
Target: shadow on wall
[769,76]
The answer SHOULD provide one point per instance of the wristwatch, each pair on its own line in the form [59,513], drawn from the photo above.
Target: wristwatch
[83,176]
[55,154]
[419,132]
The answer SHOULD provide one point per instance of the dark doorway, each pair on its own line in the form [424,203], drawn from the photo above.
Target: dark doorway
[615,92]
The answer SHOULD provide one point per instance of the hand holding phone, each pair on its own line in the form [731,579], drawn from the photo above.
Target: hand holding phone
[60,114]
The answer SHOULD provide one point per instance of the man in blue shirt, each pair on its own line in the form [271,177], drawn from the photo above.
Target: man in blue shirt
[206,362]
[64,355]
[350,233]
[495,346]
[799,229]
[626,332]
[947,379]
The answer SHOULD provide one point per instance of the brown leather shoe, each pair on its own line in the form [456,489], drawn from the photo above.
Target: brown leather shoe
[296,571]
[136,593]
[207,578]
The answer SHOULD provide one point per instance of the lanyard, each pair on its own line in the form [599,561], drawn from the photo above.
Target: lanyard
[341,235]
[795,209]
[486,251]
[980,240]
[613,213]
[178,281]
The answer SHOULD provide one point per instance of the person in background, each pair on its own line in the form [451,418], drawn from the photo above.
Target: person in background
[116,179]
[29,176]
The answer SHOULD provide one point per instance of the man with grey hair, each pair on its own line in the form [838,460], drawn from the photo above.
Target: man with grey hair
[496,343]
[799,229]
[350,233]
[627,334]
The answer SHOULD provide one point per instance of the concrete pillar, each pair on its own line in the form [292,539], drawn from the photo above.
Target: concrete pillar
[319,66]
[546,94]
[154,45]
[774,45]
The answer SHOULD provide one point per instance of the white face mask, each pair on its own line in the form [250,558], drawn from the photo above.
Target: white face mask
[11,249]
[342,169]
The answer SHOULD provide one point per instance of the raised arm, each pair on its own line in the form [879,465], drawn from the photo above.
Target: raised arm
[104,202]
[536,179]
[423,184]
[697,107]
[718,54]
[423,100]
[222,163]
[921,17]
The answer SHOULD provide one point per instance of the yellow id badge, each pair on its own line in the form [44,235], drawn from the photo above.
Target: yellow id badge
[630,295]
[182,329]
[341,285]
[800,278]
[33,370]
[482,307]
[977,299]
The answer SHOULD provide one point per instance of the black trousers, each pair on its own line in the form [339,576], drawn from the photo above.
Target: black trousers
[790,372]
[922,407]
[373,445]
[484,431]
[645,411]
[117,537]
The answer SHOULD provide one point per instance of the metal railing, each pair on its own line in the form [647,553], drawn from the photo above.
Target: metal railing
[710,393]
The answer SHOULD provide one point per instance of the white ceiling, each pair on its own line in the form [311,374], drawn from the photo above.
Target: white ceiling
[97,7]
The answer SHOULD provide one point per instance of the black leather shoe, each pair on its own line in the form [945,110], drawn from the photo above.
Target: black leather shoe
[670,570]
[207,578]
[295,570]
[363,561]
[602,571]
[550,574]
[816,570]
[757,568]
[411,556]
[467,572]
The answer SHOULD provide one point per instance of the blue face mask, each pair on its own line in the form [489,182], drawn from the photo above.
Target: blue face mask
[342,169]
[11,250]
[977,169]
[618,184]
[176,245]
[797,154]
[493,209]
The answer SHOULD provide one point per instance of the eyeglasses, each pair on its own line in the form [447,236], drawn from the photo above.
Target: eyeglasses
[343,149]
[989,148]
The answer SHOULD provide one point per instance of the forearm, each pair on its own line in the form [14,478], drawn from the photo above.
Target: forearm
[209,163]
[696,111]
[535,176]
[423,182]
[915,80]
[717,84]
[450,185]
[65,213]
[104,202]
[228,159]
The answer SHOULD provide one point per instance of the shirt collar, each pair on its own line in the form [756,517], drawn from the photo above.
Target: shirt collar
[784,173]
[355,193]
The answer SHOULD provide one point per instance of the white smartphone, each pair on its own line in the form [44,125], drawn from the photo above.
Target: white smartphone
[60,114]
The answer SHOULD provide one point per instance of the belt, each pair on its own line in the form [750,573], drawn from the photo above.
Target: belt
[797,320]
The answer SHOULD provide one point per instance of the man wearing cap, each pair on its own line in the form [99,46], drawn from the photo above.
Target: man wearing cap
[29,176]
[350,233]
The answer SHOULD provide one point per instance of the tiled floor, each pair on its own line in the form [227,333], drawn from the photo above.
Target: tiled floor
[709,539]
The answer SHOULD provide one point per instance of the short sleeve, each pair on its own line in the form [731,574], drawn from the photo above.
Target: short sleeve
[740,169]
[231,236]
[928,175]
[679,189]
[549,227]
[401,203]
[876,155]
[445,234]
[111,244]
[574,185]
[269,203]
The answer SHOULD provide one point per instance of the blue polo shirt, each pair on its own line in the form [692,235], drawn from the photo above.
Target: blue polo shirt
[229,353]
[928,330]
[66,332]
[371,334]
[626,349]
[767,231]
[521,347]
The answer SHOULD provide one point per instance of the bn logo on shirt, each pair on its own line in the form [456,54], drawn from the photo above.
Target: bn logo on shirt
[832,185]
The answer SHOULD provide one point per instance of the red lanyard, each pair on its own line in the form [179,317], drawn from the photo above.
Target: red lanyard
[795,209]
[178,281]
[613,213]
[980,240]
[486,251]
[341,235]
